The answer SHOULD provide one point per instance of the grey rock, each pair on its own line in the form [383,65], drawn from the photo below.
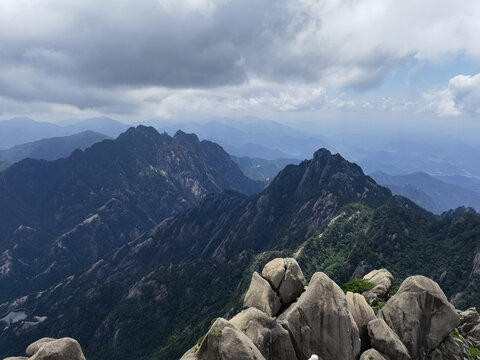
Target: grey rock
[421,315]
[474,335]
[224,342]
[34,347]
[320,322]
[285,277]
[260,295]
[362,314]
[385,340]
[61,349]
[382,279]
[266,334]
[468,320]
[450,349]
[372,354]
[16,358]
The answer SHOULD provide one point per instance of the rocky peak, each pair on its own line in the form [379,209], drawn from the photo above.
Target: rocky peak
[321,322]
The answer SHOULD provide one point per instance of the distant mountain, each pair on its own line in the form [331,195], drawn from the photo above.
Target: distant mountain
[3,165]
[59,217]
[51,148]
[262,169]
[23,130]
[103,125]
[423,189]
[19,131]
[252,137]
[463,181]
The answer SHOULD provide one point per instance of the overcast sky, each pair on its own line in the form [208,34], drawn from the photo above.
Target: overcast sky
[376,61]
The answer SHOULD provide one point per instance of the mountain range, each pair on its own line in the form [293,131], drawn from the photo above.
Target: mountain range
[431,193]
[156,294]
[59,217]
[51,148]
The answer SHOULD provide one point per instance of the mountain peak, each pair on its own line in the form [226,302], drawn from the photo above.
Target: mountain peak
[183,136]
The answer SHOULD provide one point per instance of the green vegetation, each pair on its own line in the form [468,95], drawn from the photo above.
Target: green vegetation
[218,334]
[357,286]
[474,352]
[454,334]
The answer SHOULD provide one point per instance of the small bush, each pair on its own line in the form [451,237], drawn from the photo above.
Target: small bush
[357,286]
[454,334]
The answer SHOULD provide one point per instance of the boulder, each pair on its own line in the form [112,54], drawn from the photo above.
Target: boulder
[224,342]
[286,278]
[362,314]
[260,295]
[450,349]
[372,354]
[421,315]
[320,322]
[386,341]
[382,279]
[266,334]
[61,349]
[34,347]
[468,320]
[474,335]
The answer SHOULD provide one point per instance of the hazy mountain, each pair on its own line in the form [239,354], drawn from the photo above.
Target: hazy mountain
[23,130]
[3,165]
[51,148]
[415,186]
[262,169]
[103,125]
[463,181]
[57,218]
[252,137]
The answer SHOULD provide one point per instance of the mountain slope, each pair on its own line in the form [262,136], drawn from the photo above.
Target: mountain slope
[262,169]
[445,196]
[22,130]
[51,148]
[59,217]
[161,283]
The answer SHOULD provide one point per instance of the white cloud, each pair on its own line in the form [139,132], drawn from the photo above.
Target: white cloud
[460,96]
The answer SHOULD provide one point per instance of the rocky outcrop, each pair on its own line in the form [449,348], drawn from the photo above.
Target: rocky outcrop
[267,335]
[224,342]
[286,278]
[386,341]
[372,354]
[260,295]
[382,279]
[362,314]
[53,349]
[450,349]
[420,314]
[320,322]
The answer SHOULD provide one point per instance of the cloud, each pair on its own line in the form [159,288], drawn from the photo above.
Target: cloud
[104,55]
[461,96]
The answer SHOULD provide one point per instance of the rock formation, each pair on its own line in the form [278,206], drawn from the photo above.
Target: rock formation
[53,349]
[320,322]
[382,279]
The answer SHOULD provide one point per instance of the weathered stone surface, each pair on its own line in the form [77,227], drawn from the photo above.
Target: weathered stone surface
[372,354]
[285,277]
[382,279]
[266,334]
[34,347]
[468,320]
[224,342]
[260,295]
[420,315]
[450,349]
[274,272]
[16,358]
[386,341]
[362,314]
[320,322]
[61,349]
[474,335]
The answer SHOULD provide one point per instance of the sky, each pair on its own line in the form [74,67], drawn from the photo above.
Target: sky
[409,64]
